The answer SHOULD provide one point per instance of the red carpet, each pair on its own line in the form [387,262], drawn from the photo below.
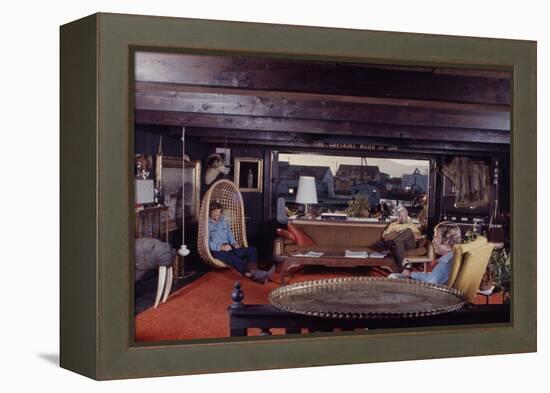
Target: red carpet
[199,310]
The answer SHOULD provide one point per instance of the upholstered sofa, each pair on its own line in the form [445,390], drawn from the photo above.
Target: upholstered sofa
[331,236]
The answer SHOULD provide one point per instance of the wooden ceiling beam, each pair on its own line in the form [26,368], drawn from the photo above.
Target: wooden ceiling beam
[411,151]
[290,139]
[349,79]
[174,89]
[323,127]
[165,97]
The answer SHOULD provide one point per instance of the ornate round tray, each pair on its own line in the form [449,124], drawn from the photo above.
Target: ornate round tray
[366,297]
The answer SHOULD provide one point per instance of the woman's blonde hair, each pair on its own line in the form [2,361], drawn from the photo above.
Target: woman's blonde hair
[450,233]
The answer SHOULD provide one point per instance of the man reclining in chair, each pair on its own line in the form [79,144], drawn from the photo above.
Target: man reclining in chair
[399,237]
[446,235]
[223,246]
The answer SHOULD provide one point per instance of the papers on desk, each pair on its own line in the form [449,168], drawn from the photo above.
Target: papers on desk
[382,254]
[363,219]
[309,254]
[364,254]
[356,254]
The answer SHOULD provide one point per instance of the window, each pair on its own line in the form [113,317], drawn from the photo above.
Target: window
[381,180]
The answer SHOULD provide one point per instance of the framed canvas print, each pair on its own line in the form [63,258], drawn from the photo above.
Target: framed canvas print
[248,174]
[172,178]
[361,191]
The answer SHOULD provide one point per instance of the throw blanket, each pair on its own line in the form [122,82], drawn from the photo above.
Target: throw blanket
[150,254]
[471,180]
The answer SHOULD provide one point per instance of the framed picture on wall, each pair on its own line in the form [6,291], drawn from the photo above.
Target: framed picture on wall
[346,88]
[172,179]
[249,174]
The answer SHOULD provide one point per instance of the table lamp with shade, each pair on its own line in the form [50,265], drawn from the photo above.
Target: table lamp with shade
[307,191]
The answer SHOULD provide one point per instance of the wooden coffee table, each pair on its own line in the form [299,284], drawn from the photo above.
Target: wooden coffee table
[331,259]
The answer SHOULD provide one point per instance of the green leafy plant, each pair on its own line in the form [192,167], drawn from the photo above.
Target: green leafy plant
[359,206]
[501,267]
[473,234]
[291,212]
[470,236]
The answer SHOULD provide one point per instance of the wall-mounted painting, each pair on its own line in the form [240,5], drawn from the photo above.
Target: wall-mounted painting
[172,179]
[249,174]
[361,112]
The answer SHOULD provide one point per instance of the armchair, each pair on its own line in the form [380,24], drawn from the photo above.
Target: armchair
[469,263]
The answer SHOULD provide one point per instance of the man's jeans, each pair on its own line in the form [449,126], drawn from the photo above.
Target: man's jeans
[242,259]
[439,274]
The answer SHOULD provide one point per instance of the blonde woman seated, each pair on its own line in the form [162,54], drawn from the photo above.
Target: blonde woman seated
[446,235]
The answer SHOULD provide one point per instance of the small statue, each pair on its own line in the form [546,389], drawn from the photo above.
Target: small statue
[250,179]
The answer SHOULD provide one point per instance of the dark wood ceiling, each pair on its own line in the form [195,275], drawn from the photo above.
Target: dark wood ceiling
[282,98]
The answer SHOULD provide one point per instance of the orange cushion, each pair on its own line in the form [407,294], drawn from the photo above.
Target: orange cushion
[286,234]
[301,238]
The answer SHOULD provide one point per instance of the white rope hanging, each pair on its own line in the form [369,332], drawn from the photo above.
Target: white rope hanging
[183,251]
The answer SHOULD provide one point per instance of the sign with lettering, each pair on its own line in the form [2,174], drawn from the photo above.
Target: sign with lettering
[354,146]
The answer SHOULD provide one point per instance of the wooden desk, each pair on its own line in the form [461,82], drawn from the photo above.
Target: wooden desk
[343,223]
[152,222]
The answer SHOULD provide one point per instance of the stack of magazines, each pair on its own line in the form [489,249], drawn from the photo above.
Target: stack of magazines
[356,254]
[365,254]
[311,254]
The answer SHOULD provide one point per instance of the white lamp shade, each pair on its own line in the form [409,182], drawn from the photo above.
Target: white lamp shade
[307,192]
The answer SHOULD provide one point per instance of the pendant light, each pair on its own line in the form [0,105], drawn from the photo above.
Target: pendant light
[183,251]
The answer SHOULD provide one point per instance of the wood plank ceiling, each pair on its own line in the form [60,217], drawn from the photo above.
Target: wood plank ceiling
[285,98]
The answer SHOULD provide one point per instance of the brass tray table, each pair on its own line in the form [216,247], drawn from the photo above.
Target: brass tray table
[366,297]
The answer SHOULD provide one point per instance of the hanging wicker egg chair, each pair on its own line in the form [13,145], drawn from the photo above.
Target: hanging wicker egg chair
[228,195]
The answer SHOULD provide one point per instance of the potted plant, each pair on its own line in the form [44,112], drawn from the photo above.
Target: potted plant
[500,266]
[359,206]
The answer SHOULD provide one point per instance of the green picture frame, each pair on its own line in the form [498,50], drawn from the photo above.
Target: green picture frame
[96,310]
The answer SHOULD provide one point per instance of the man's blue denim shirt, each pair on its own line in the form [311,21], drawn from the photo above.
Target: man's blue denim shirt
[439,274]
[219,233]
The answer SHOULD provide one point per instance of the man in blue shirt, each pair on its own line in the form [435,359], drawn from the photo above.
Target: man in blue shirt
[224,247]
[446,235]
